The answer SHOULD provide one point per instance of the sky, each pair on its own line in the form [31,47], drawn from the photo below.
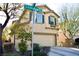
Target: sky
[53,6]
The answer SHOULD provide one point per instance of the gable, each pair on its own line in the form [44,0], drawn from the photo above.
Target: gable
[46,9]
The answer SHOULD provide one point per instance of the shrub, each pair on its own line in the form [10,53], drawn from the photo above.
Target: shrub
[37,50]
[29,53]
[8,47]
[38,53]
[22,47]
[36,47]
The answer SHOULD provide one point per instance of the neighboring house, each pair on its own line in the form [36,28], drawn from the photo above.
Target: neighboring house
[45,26]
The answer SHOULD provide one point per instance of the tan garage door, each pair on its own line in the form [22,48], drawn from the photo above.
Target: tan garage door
[44,40]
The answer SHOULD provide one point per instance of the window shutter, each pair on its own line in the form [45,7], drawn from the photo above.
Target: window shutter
[55,21]
[42,18]
[30,16]
[49,19]
[36,19]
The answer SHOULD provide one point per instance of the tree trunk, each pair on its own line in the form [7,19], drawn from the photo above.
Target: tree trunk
[1,43]
[68,41]
[14,42]
[1,30]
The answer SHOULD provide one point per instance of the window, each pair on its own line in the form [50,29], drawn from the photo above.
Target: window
[40,18]
[52,21]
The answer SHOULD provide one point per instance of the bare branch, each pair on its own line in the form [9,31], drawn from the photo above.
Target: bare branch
[3,6]
[5,10]
[0,8]
[66,35]
[14,8]
[10,10]
[7,19]
[6,6]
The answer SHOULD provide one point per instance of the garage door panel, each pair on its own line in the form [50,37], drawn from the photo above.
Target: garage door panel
[44,40]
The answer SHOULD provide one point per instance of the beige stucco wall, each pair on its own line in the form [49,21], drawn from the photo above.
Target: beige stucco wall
[42,27]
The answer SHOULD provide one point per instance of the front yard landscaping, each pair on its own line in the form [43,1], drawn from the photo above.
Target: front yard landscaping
[40,51]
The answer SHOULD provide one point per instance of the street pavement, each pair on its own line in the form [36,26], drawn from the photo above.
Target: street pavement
[63,51]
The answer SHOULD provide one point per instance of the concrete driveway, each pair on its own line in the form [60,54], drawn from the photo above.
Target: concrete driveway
[63,51]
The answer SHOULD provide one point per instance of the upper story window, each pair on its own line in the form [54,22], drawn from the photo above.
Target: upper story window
[52,21]
[39,18]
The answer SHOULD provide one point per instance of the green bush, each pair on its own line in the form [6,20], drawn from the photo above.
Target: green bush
[22,47]
[36,47]
[36,50]
[38,53]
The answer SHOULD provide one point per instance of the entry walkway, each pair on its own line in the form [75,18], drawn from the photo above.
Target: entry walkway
[63,51]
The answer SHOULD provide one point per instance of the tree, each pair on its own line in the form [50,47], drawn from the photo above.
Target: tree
[5,33]
[14,28]
[20,31]
[24,36]
[70,21]
[9,10]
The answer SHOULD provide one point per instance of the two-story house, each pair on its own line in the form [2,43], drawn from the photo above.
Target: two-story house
[45,26]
